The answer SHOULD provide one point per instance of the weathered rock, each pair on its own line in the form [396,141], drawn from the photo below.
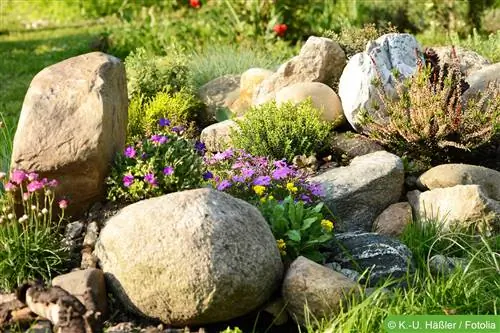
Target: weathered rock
[190,258]
[216,137]
[457,207]
[383,256]
[249,82]
[469,60]
[352,145]
[480,80]
[358,193]
[380,59]
[214,93]
[78,282]
[393,220]
[449,175]
[319,60]
[440,264]
[277,308]
[322,96]
[91,235]
[318,287]
[72,123]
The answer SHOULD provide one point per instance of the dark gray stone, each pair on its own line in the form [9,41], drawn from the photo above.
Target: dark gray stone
[384,256]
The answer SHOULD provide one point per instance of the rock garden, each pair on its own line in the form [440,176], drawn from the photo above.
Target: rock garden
[353,181]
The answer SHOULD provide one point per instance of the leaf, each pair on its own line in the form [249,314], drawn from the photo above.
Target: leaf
[307,223]
[313,255]
[293,235]
[222,114]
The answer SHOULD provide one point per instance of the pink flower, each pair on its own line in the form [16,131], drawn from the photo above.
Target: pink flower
[128,180]
[9,187]
[63,204]
[167,171]
[32,176]
[35,185]
[17,176]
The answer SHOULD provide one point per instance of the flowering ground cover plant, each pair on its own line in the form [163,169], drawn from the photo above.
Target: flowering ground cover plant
[163,163]
[256,178]
[30,243]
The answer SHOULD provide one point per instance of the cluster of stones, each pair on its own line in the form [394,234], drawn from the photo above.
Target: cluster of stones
[201,256]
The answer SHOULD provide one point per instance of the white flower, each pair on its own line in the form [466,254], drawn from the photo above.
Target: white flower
[44,211]
[10,216]
[23,218]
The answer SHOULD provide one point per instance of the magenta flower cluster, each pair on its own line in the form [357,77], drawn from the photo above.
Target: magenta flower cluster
[237,172]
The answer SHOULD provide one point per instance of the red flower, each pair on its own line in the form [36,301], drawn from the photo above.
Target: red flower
[280,29]
[195,3]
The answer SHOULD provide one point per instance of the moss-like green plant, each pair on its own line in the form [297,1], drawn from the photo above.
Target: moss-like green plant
[182,108]
[282,132]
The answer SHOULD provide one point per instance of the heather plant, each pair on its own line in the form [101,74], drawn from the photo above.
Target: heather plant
[257,179]
[299,229]
[182,108]
[282,132]
[30,242]
[162,163]
[429,122]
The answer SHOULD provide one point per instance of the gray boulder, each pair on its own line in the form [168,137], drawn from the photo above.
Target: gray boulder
[190,258]
[358,193]
[388,53]
[218,93]
[469,61]
[383,256]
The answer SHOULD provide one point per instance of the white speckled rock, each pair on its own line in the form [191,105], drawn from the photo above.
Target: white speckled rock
[387,53]
[385,256]
[469,60]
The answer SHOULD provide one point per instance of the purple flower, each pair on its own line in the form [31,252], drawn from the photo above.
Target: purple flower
[223,185]
[130,152]
[53,183]
[261,162]
[144,156]
[164,122]
[316,189]
[150,178]
[178,129]
[128,180]
[247,172]
[200,147]
[168,170]
[305,198]
[280,164]
[262,180]
[35,186]
[208,175]
[160,139]
[282,172]
[17,176]
[238,179]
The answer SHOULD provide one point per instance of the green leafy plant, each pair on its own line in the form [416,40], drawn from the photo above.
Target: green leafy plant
[299,230]
[6,137]
[163,163]
[182,108]
[282,131]
[429,122]
[148,75]
[30,240]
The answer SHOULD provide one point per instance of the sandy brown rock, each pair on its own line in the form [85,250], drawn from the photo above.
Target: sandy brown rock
[216,137]
[393,220]
[72,123]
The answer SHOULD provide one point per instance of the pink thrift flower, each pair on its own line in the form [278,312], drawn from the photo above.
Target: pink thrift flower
[17,176]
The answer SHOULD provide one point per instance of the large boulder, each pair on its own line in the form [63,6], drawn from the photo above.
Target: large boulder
[320,60]
[388,53]
[249,82]
[468,60]
[457,207]
[358,193]
[72,124]
[449,175]
[322,97]
[352,145]
[317,288]
[190,258]
[480,80]
[393,220]
[384,257]
[218,93]
[217,137]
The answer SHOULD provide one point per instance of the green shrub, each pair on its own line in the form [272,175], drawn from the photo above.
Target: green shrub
[354,39]
[30,245]
[182,108]
[429,123]
[147,75]
[161,164]
[282,131]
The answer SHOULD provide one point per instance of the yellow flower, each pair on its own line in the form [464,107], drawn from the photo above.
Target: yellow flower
[291,187]
[270,197]
[327,225]
[259,189]
[281,246]
[263,199]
